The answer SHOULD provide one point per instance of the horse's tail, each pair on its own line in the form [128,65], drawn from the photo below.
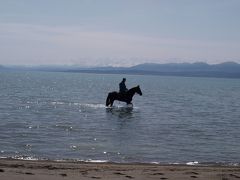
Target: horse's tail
[108,99]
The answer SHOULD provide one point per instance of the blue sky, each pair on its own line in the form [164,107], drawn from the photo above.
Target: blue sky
[119,33]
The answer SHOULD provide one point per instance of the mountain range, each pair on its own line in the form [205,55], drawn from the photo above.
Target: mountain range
[198,69]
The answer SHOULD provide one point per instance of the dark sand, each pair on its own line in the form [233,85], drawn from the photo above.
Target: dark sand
[36,170]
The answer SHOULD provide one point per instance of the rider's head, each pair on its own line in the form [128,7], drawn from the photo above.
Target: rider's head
[124,79]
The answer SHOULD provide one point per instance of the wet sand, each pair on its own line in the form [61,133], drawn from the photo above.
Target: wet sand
[36,170]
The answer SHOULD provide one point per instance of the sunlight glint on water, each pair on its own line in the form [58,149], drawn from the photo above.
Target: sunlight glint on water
[63,116]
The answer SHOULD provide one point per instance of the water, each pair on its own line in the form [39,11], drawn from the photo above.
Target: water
[61,116]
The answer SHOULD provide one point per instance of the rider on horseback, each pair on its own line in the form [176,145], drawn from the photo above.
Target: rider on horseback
[122,87]
[124,95]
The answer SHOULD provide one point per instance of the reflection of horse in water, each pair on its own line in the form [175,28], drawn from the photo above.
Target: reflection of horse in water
[125,97]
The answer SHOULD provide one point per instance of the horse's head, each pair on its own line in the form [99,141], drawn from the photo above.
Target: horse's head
[138,90]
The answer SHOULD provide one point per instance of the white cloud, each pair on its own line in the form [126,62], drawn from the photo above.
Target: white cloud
[35,44]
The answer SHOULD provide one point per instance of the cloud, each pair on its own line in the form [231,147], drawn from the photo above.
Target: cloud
[36,44]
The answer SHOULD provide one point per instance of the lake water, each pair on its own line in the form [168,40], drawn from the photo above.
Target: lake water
[62,116]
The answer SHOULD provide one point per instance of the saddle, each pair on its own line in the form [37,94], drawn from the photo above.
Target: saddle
[122,94]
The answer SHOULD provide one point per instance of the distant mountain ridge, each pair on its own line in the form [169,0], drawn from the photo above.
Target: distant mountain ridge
[198,69]
[198,66]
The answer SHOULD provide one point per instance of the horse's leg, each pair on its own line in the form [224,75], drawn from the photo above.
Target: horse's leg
[108,99]
[129,104]
[111,102]
[128,101]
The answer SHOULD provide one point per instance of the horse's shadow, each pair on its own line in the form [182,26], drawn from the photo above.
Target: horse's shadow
[121,112]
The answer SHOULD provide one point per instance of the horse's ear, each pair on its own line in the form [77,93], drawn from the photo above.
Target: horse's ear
[138,86]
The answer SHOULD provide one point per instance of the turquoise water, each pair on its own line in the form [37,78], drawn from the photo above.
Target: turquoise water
[63,116]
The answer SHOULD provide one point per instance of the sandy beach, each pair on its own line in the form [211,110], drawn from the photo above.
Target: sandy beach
[28,170]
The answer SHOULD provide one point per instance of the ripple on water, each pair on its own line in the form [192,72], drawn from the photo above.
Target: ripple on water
[63,115]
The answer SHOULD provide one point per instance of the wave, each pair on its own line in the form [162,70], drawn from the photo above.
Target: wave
[82,105]
[95,106]
[96,161]
[88,105]
[192,163]
[26,158]
[122,106]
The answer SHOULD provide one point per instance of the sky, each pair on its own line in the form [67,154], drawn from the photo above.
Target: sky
[118,32]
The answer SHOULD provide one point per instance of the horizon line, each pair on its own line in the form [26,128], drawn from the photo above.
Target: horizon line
[110,65]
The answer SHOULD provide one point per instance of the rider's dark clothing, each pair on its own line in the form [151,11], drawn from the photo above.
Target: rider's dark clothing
[122,87]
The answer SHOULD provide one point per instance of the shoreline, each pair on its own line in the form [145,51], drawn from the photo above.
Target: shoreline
[11,169]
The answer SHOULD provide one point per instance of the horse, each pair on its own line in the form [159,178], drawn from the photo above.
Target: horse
[125,97]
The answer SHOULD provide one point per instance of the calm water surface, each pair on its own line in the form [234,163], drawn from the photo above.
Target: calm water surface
[63,116]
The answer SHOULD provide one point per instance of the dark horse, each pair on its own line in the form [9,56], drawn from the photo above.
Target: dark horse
[125,97]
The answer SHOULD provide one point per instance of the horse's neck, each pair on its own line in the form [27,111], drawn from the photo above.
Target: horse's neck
[131,91]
